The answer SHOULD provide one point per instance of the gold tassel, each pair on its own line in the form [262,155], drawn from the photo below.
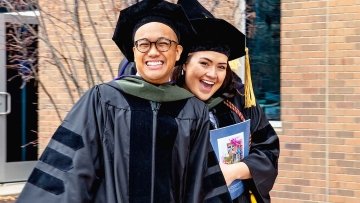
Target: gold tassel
[249,91]
[252,197]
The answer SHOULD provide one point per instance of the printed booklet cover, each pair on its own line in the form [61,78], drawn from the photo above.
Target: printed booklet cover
[231,145]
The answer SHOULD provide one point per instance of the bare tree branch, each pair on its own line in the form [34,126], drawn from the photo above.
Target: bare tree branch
[88,71]
[97,37]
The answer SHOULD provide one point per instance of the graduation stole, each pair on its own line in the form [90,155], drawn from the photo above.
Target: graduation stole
[138,87]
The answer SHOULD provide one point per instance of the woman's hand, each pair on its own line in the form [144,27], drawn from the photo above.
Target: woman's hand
[235,171]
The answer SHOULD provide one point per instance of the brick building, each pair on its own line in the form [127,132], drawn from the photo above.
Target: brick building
[319,85]
[320,108]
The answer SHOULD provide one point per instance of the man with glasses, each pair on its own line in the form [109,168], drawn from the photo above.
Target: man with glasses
[137,138]
[155,56]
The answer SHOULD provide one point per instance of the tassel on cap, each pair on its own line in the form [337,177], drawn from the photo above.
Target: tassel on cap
[249,91]
[252,197]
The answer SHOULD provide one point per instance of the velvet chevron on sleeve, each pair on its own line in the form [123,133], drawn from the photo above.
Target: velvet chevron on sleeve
[70,167]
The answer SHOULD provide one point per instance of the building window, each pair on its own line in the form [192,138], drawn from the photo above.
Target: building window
[21,63]
[18,67]
[263,41]
[17,6]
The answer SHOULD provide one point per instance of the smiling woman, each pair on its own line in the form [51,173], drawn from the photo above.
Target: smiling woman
[224,43]
[207,75]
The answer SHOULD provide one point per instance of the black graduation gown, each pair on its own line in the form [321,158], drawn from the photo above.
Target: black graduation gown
[262,159]
[117,147]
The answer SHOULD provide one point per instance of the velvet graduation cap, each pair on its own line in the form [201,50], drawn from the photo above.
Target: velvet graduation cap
[212,32]
[131,18]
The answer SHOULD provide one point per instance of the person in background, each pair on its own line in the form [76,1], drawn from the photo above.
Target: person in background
[208,76]
[137,138]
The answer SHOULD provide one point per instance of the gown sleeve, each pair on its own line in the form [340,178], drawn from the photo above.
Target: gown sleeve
[263,156]
[69,168]
[215,186]
[264,150]
[196,169]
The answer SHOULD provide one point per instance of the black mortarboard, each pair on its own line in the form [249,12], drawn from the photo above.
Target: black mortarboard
[213,31]
[147,11]
[194,9]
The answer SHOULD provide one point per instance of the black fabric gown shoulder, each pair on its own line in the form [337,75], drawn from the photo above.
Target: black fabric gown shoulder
[115,147]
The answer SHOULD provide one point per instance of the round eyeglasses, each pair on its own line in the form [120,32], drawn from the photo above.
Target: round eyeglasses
[161,44]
